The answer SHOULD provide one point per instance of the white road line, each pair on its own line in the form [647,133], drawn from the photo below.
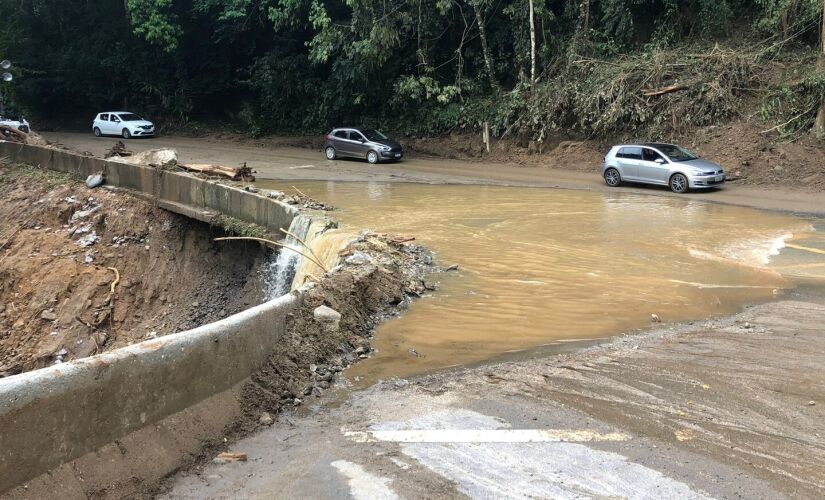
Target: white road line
[484,436]
[302,166]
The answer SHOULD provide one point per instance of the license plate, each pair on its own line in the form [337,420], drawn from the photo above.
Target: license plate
[398,155]
[719,178]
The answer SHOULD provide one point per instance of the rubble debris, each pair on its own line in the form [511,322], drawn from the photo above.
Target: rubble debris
[242,173]
[94,180]
[118,150]
[655,318]
[231,457]
[165,158]
[453,267]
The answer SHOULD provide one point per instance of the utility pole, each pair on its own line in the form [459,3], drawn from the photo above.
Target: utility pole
[5,65]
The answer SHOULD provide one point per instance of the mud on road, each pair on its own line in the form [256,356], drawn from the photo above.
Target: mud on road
[683,411]
[567,166]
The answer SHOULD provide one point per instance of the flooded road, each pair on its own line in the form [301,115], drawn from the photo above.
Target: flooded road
[542,267]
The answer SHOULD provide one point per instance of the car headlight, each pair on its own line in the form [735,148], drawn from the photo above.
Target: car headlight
[385,148]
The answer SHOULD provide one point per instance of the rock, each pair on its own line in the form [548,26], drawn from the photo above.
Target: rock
[266,419]
[358,258]
[195,304]
[361,350]
[401,383]
[48,316]
[811,403]
[323,385]
[453,267]
[326,377]
[62,352]
[94,180]
[328,317]
[251,189]
[88,240]
[655,318]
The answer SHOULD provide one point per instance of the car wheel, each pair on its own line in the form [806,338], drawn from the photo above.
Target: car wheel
[678,183]
[372,157]
[126,134]
[612,177]
[97,132]
[330,153]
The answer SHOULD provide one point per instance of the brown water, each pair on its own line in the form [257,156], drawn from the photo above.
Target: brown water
[541,267]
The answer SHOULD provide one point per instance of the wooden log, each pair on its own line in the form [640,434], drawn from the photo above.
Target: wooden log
[236,174]
[663,90]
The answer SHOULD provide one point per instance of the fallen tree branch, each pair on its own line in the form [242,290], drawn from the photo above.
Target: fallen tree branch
[302,242]
[235,174]
[800,115]
[664,90]
[299,192]
[275,244]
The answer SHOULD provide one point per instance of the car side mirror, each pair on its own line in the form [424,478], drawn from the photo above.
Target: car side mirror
[659,161]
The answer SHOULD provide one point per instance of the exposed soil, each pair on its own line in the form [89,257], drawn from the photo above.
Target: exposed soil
[60,298]
[378,280]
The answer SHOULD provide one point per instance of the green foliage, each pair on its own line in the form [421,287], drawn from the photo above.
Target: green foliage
[794,107]
[153,21]
[419,67]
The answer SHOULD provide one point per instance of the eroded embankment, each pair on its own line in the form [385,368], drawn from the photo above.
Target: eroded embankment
[60,297]
[335,322]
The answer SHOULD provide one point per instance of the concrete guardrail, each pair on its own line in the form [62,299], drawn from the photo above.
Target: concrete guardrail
[52,416]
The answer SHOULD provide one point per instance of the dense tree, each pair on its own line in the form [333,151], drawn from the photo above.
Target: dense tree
[426,66]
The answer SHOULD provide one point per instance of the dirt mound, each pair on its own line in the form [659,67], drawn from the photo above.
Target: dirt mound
[64,246]
[379,278]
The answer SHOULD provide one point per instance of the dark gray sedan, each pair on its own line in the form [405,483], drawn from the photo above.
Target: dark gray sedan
[361,143]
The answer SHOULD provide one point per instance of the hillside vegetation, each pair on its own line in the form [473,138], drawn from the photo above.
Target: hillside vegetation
[592,68]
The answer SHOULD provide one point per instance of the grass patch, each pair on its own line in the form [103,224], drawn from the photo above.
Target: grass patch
[238,227]
[16,172]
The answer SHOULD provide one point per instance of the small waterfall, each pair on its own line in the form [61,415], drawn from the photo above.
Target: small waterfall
[288,269]
[283,265]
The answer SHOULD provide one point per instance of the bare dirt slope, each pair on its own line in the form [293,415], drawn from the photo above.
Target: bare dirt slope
[60,243]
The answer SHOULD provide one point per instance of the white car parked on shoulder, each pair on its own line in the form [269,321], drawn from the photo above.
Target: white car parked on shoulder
[15,122]
[122,123]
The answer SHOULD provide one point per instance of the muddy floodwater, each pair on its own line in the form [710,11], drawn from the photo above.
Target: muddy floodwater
[543,267]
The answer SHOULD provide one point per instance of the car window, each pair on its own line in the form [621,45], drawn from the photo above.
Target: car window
[374,135]
[130,117]
[650,155]
[105,117]
[631,153]
[355,135]
[677,153]
[114,118]
[341,134]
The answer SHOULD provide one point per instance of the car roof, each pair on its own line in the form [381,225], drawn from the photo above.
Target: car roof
[644,144]
[115,112]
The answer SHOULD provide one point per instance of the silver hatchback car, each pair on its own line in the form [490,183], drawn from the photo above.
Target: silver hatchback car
[662,164]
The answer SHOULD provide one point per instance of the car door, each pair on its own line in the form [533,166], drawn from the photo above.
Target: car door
[653,167]
[628,159]
[103,123]
[114,124]
[358,143]
[340,141]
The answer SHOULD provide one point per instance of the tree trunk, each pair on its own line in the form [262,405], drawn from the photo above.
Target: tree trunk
[485,50]
[819,124]
[532,47]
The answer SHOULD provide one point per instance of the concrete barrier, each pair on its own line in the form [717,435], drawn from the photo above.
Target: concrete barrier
[138,394]
[178,192]
[54,415]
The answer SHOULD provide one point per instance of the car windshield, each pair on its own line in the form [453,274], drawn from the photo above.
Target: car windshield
[130,117]
[373,135]
[676,153]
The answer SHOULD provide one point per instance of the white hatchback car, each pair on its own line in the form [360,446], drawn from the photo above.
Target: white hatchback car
[122,123]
